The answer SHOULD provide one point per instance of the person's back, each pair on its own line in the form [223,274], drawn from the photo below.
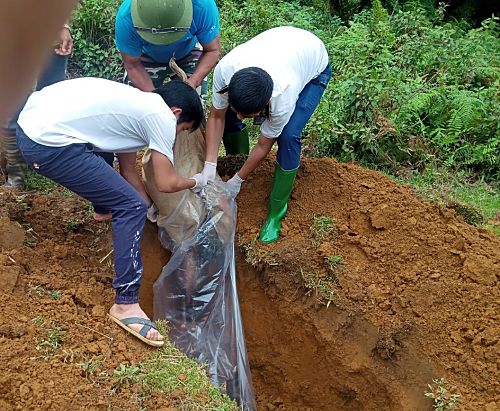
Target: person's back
[111,116]
[291,56]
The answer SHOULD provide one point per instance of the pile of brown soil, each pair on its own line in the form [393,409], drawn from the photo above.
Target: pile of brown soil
[56,282]
[416,298]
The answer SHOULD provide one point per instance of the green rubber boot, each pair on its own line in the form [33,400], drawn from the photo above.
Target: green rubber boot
[278,203]
[237,142]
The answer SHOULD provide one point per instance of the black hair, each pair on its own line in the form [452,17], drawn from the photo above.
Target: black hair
[250,90]
[176,93]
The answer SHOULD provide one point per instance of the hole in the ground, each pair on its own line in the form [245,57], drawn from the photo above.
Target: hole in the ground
[307,358]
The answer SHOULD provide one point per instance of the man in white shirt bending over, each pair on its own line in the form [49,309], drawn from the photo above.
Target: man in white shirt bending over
[63,125]
[277,78]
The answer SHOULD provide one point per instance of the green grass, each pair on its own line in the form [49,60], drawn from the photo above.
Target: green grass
[323,228]
[448,189]
[43,185]
[321,285]
[168,370]
[55,336]
[441,395]
[258,256]
[334,262]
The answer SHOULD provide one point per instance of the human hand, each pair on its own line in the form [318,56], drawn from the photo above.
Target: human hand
[233,185]
[201,182]
[152,214]
[209,170]
[66,42]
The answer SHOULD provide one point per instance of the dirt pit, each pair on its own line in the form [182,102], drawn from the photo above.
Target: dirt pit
[416,297]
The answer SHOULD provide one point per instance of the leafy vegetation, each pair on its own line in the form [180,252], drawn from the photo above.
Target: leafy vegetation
[334,262]
[44,185]
[440,394]
[168,370]
[323,228]
[408,88]
[322,285]
[55,336]
[94,52]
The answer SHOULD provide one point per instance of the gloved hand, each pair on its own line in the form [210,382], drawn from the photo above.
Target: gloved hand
[201,182]
[209,170]
[152,214]
[233,185]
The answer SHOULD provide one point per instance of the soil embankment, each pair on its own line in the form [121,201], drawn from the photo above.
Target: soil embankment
[416,298]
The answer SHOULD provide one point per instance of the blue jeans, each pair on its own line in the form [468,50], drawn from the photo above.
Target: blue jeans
[79,169]
[290,140]
[232,123]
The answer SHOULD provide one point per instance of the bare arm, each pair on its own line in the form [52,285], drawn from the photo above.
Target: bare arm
[213,133]
[166,179]
[208,59]
[258,153]
[137,73]
[129,173]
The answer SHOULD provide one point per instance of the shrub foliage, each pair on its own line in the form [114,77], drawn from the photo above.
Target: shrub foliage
[408,88]
[94,52]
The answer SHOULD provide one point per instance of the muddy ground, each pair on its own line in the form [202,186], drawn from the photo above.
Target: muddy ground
[416,298]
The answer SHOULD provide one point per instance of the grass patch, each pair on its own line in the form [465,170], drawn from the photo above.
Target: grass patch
[39,291]
[55,294]
[55,337]
[258,256]
[334,262]
[91,369]
[43,185]
[322,285]
[73,224]
[323,228]
[169,370]
[475,200]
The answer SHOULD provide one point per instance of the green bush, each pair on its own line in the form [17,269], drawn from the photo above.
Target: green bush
[407,88]
[94,51]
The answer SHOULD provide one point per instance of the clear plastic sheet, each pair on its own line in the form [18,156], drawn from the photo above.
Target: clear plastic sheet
[196,293]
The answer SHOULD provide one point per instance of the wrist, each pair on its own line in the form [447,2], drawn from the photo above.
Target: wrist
[67,26]
[194,81]
[238,178]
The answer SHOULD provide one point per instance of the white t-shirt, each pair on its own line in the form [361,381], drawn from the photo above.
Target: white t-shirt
[111,116]
[291,56]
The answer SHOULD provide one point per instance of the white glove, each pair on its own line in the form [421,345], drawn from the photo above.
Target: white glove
[233,185]
[209,170]
[201,182]
[152,214]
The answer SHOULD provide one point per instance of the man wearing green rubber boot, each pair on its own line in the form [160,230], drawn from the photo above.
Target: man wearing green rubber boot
[277,78]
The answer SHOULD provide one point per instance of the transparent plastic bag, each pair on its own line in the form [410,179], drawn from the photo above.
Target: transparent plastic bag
[196,293]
